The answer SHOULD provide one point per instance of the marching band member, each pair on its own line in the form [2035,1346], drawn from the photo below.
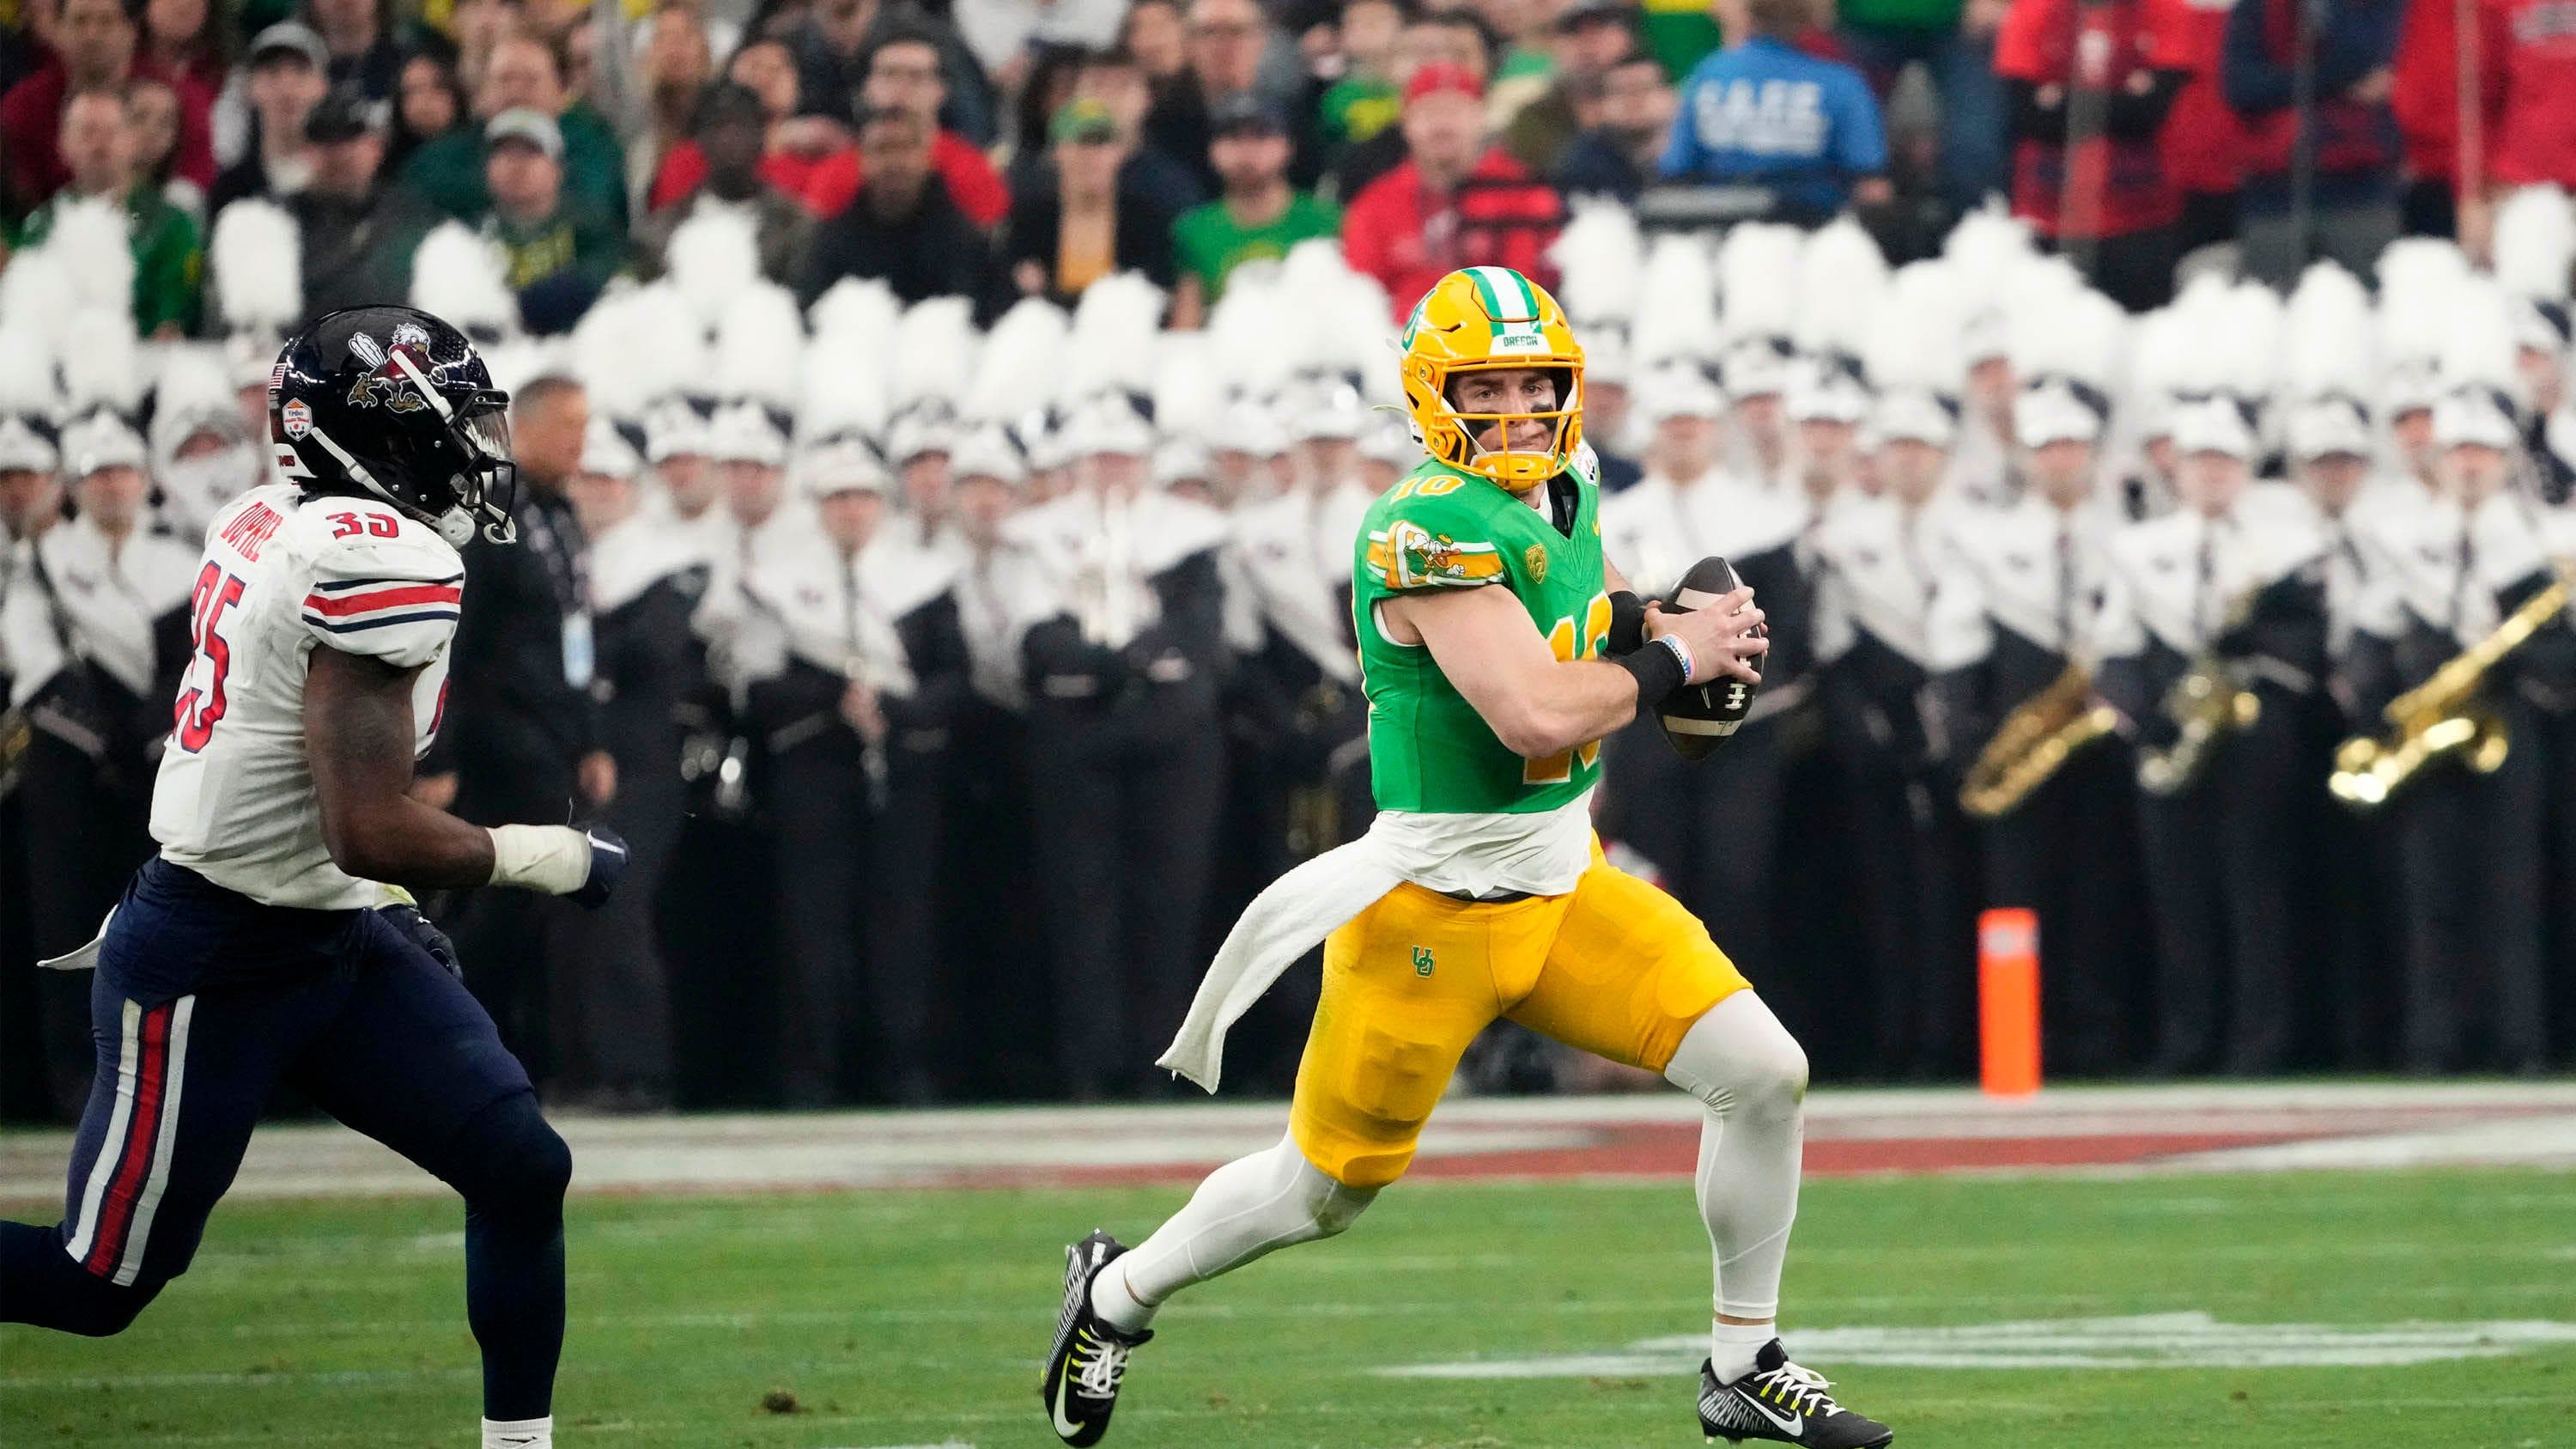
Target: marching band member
[2010,641]
[1879,559]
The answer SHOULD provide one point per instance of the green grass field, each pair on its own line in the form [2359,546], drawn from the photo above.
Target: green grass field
[918,1318]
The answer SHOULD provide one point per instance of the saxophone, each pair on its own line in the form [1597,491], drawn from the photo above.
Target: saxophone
[2444,715]
[2209,704]
[2034,742]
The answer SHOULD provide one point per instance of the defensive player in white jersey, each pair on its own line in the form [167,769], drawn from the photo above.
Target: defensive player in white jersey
[271,940]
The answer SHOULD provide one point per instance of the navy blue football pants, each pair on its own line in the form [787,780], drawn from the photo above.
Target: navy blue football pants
[203,1002]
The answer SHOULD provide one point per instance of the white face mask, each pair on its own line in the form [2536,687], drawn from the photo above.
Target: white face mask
[200,485]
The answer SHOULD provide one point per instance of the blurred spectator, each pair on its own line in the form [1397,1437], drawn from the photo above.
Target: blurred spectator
[1224,44]
[93,49]
[901,73]
[1087,225]
[1954,42]
[2528,54]
[1259,216]
[1455,202]
[2203,143]
[2352,132]
[524,74]
[675,70]
[902,227]
[184,44]
[478,27]
[561,251]
[430,104]
[152,111]
[523,734]
[2103,198]
[792,145]
[2424,94]
[1619,154]
[1001,34]
[364,52]
[97,146]
[731,128]
[1450,38]
[1590,36]
[1115,79]
[283,78]
[359,225]
[1157,34]
[1766,115]
[832,50]
[1528,54]
[1368,95]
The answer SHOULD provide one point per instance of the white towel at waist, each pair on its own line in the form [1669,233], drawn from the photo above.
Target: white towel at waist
[1540,854]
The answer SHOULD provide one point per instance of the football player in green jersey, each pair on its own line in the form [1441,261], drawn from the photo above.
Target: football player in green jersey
[1498,647]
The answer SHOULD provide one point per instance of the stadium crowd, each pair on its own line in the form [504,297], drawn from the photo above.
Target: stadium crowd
[944,431]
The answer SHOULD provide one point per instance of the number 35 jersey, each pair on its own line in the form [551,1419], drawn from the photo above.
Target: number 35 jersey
[1443,529]
[285,573]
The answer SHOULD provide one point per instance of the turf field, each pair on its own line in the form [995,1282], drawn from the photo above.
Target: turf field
[2107,1308]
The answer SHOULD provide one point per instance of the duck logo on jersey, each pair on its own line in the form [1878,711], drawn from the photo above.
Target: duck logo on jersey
[1415,557]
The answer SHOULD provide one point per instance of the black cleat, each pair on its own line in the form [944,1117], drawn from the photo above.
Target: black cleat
[1090,1356]
[1782,1403]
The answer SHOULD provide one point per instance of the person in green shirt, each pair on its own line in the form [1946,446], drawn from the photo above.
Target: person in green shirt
[523,74]
[1498,647]
[169,253]
[561,252]
[1366,100]
[1259,216]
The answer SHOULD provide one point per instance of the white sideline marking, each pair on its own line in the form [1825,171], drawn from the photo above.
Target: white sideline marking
[2142,1341]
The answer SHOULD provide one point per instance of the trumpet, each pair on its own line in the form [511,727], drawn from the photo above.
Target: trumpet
[2209,705]
[2443,716]
[2035,741]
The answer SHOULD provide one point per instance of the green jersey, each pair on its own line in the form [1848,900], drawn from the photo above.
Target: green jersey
[1444,528]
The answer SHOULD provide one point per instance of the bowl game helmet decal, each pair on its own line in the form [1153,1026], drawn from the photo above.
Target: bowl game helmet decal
[1482,319]
[394,404]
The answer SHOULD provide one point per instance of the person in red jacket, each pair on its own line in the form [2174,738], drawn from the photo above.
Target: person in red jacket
[2529,51]
[94,49]
[903,75]
[2109,70]
[1455,201]
[2202,141]
[2424,93]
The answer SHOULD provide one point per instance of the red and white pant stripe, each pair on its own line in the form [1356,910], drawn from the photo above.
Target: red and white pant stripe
[133,1167]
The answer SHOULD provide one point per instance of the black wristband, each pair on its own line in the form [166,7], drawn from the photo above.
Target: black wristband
[1627,623]
[1658,672]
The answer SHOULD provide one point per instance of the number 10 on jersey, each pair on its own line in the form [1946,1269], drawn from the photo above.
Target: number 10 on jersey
[1569,643]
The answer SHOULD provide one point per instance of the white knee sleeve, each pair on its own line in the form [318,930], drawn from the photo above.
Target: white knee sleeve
[1752,1075]
[1249,1207]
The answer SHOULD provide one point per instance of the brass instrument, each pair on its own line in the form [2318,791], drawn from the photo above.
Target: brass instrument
[2034,743]
[2443,716]
[2210,705]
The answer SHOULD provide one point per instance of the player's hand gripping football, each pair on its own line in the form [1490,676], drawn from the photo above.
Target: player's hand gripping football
[1724,638]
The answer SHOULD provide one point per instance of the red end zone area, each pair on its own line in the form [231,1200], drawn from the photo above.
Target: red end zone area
[2089,1130]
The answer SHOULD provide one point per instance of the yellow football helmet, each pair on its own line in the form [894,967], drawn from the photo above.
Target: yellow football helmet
[1482,319]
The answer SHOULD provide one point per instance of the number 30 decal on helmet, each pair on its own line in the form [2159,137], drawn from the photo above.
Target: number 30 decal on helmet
[1486,319]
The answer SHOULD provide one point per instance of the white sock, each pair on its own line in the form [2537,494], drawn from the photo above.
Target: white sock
[1752,1075]
[1249,1207]
[1732,1346]
[519,1433]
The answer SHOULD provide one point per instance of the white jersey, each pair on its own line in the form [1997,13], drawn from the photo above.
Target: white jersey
[283,573]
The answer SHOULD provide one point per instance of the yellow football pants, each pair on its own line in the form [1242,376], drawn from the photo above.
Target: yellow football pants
[1615,967]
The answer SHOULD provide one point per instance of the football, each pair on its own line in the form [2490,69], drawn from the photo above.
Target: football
[1700,717]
